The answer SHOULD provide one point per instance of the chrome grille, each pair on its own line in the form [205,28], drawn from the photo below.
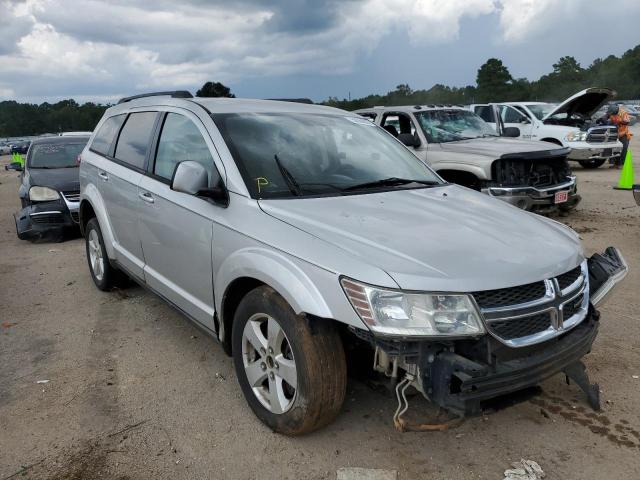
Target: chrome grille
[569,309]
[72,195]
[510,296]
[602,134]
[521,327]
[567,279]
[538,311]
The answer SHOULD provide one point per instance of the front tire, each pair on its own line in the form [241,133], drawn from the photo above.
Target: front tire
[293,375]
[592,163]
[102,273]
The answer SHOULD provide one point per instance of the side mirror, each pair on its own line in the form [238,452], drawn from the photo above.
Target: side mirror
[525,121]
[17,166]
[511,132]
[192,178]
[409,140]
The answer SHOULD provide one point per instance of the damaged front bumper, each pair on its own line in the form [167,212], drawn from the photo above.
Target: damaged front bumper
[460,375]
[46,220]
[540,200]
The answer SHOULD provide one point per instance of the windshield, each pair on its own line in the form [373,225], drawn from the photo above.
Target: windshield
[441,126]
[285,155]
[541,110]
[55,155]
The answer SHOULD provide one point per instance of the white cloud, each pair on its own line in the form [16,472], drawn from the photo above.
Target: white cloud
[107,48]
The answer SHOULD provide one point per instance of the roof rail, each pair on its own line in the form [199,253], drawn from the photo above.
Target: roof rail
[172,94]
[294,100]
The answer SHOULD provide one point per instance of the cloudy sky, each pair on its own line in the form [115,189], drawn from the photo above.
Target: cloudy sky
[103,49]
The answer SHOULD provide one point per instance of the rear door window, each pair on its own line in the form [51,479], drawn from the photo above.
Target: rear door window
[134,139]
[104,138]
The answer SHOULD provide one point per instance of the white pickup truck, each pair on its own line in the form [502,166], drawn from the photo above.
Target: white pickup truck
[567,124]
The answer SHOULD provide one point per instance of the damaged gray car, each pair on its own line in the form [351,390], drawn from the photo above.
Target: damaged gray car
[292,233]
[50,188]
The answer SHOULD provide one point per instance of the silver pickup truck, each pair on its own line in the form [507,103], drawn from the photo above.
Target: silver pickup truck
[464,149]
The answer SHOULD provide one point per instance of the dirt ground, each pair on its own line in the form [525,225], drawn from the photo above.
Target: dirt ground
[135,391]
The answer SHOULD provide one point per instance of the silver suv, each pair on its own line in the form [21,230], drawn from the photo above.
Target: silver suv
[293,233]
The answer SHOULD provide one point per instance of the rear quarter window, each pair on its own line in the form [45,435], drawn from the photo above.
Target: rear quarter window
[135,137]
[106,134]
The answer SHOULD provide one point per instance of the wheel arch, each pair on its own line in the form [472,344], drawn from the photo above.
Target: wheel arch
[248,269]
[91,205]
[551,140]
[467,178]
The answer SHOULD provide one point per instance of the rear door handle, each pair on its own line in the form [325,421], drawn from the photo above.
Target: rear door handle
[146,196]
[103,176]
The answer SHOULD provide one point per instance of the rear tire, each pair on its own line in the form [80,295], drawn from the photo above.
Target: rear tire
[103,274]
[592,163]
[267,336]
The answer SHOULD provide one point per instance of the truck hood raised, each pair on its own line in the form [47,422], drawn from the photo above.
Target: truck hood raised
[584,103]
[445,238]
[495,147]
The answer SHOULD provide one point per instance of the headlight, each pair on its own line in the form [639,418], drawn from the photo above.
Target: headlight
[576,137]
[393,312]
[43,194]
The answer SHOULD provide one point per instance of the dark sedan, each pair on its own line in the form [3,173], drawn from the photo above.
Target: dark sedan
[50,189]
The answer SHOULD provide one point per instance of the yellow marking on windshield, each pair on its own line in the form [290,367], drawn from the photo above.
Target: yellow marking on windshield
[261,182]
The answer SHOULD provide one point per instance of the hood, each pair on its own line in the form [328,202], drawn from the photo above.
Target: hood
[585,103]
[61,179]
[445,238]
[495,147]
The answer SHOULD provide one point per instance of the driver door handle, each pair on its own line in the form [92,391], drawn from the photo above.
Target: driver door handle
[103,176]
[146,196]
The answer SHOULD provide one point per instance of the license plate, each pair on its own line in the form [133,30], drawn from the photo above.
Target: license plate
[561,197]
[607,152]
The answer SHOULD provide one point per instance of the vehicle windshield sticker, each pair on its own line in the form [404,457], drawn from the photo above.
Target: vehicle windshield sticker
[261,182]
[361,121]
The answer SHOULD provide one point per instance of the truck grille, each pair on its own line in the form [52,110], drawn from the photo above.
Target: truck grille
[521,327]
[535,312]
[602,134]
[524,172]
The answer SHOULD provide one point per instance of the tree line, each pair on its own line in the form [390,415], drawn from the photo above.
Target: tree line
[494,82]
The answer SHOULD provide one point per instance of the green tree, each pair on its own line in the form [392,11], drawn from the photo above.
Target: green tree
[214,89]
[493,80]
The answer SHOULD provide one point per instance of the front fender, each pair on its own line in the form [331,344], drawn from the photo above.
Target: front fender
[276,270]
[92,196]
[482,172]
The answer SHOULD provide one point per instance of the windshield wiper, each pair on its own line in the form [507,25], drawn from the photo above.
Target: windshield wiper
[389,182]
[294,188]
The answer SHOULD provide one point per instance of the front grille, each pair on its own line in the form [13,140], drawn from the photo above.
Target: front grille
[521,172]
[47,218]
[510,296]
[511,316]
[567,279]
[602,135]
[570,308]
[72,195]
[521,327]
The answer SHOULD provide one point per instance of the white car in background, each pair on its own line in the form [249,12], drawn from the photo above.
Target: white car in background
[567,124]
